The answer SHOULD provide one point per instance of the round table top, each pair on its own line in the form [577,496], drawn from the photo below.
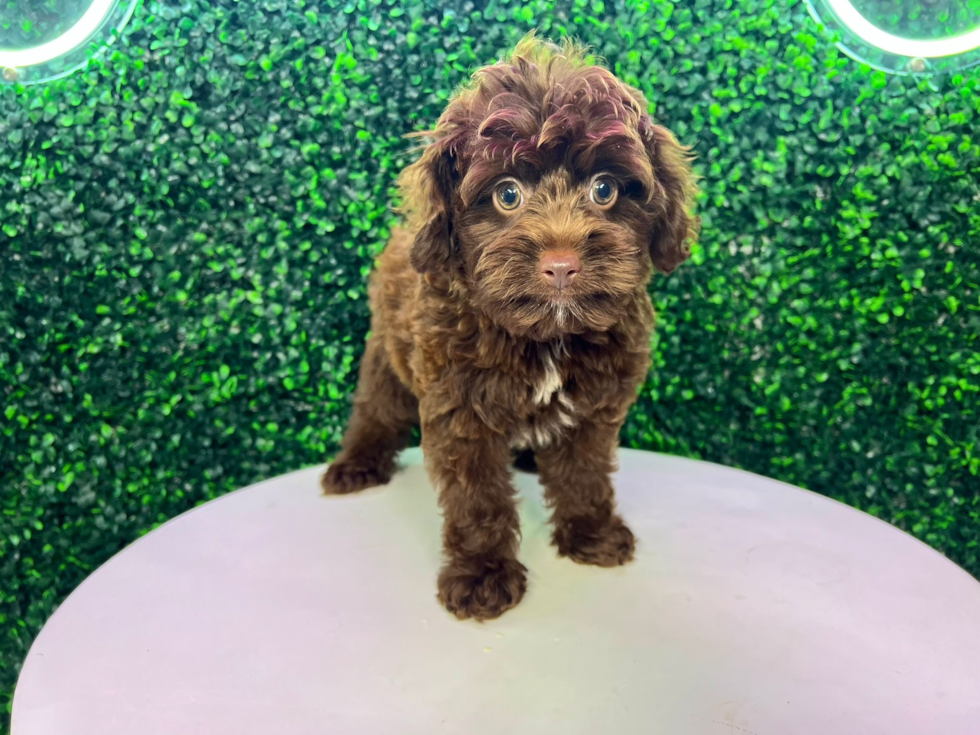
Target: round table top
[752,608]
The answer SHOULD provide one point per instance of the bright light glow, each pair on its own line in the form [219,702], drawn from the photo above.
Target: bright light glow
[50,50]
[926,49]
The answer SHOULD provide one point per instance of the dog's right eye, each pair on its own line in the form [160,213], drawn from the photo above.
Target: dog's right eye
[508,196]
[604,192]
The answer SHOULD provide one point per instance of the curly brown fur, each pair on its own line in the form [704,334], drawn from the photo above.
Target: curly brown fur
[474,334]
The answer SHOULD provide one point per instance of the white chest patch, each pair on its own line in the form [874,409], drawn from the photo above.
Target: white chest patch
[555,412]
[550,383]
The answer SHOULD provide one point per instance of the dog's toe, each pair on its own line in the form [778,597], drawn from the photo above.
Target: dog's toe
[350,476]
[483,589]
[607,545]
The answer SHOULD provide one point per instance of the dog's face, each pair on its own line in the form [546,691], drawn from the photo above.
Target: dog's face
[552,251]
[550,193]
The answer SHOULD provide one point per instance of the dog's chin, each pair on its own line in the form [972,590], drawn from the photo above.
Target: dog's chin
[552,318]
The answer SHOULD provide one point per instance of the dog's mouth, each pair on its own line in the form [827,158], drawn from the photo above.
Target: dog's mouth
[595,300]
[592,310]
[509,288]
[547,316]
[581,301]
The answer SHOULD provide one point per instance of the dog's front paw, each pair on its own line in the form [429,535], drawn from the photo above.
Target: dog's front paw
[352,474]
[482,589]
[586,541]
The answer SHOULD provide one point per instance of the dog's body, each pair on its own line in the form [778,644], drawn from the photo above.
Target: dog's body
[513,313]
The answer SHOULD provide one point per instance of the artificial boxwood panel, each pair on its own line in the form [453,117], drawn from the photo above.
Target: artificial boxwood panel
[187,227]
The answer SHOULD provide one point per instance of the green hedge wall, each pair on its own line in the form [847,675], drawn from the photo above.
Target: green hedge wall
[187,227]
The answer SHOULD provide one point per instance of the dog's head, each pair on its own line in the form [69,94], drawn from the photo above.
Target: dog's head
[550,191]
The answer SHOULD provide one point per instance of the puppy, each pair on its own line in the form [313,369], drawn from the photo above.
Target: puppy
[512,313]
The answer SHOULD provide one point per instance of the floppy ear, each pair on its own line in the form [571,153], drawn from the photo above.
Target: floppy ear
[675,188]
[427,189]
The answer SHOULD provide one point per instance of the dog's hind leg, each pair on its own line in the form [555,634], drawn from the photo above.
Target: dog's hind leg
[384,413]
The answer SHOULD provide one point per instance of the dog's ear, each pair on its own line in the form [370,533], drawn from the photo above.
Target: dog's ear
[675,190]
[427,187]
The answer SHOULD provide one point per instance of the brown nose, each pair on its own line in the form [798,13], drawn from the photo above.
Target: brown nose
[560,269]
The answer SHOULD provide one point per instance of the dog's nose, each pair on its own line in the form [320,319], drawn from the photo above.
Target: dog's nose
[560,269]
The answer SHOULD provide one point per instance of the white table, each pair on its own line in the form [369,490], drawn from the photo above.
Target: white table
[753,608]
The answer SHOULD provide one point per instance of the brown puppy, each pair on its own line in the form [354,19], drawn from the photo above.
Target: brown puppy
[513,313]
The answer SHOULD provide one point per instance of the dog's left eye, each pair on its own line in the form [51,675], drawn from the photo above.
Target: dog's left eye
[604,191]
[508,196]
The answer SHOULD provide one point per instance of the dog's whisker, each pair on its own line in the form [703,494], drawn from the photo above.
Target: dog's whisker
[560,312]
